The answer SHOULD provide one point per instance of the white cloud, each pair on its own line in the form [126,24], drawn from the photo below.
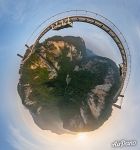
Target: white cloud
[138,30]
[19,142]
[17,11]
[25,135]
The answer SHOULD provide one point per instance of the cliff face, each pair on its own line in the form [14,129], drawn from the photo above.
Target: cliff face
[65,87]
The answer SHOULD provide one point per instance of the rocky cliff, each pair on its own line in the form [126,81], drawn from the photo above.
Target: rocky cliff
[65,86]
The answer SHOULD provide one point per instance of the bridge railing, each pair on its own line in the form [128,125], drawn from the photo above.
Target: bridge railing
[96,16]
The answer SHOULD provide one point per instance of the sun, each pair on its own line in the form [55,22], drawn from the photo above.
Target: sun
[81,136]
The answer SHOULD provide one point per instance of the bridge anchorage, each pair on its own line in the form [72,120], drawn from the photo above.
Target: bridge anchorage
[66,20]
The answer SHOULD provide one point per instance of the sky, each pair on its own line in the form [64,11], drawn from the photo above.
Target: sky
[18,19]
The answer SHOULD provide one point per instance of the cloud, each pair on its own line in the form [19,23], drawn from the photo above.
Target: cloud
[25,135]
[17,11]
[19,142]
[138,30]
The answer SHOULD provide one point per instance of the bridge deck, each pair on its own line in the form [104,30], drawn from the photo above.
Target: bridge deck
[101,25]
